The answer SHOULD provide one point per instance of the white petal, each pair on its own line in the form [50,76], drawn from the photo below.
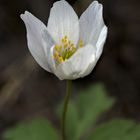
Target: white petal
[51,61]
[91,23]
[36,44]
[63,21]
[101,41]
[79,65]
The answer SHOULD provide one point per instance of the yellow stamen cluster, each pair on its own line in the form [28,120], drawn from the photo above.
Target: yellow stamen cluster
[65,50]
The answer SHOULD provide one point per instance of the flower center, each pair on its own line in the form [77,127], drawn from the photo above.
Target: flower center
[65,50]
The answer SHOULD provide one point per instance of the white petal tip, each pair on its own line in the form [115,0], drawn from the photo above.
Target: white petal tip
[60,2]
[21,16]
[96,3]
[26,13]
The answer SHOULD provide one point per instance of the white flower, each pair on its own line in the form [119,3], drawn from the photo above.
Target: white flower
[68,47]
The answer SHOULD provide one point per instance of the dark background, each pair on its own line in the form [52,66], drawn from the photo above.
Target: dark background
[27,91]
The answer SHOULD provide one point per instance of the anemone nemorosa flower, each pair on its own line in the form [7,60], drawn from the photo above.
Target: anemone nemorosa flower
[68,47]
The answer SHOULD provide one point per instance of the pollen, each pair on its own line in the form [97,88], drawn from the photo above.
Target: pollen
[81,44]
[65,50]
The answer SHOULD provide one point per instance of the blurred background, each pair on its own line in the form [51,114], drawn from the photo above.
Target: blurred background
[27,91]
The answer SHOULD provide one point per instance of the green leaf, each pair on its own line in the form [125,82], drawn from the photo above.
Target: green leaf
[71,120]
[38,129]
[84,111]
[91,104]
[116,130]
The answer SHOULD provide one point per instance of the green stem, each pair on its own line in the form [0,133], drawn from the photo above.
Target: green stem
[66,100]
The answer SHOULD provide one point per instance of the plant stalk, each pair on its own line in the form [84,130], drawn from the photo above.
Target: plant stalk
[66,101]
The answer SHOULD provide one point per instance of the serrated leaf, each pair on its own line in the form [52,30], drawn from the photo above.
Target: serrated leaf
[91,103]
[39,129]
[116,130]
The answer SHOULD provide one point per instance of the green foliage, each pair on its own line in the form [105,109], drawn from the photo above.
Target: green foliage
[116,130]
[91,104]
[71,126]
[84,110]
[71,120]
[82,115]
[39,129]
